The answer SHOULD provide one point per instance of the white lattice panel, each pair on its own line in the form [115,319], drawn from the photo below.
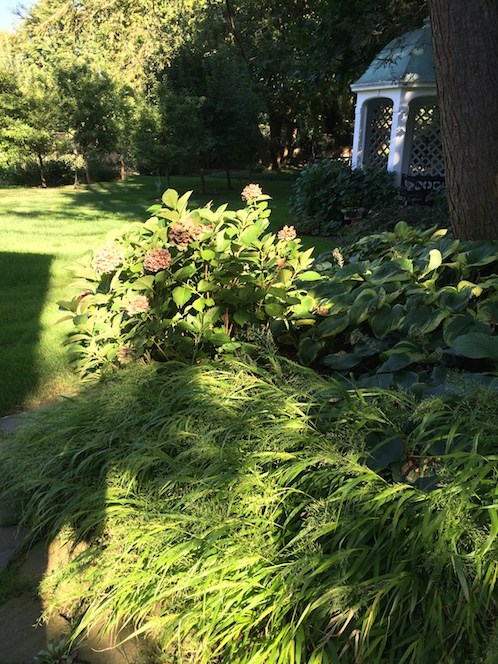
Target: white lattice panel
[427,152]
[379,135]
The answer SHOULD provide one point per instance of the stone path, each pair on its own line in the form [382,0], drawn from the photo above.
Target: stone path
[21,639]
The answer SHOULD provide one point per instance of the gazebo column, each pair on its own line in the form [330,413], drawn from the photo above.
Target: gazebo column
[360,119]
[398,133]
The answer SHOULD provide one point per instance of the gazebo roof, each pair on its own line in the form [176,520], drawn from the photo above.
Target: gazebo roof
[405,61]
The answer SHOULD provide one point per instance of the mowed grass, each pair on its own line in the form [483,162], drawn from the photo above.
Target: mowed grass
[44,231]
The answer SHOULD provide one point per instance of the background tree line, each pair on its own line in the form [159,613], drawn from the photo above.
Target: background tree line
[169,85]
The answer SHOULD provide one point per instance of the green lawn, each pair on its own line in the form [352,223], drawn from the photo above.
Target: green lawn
[43,231]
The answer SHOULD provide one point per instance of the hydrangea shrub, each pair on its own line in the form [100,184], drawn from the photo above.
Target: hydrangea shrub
[183,285]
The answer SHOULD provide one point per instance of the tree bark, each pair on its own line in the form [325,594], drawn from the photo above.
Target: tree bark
[87,168]
[203,181]
[465,45]
[123,172]
[229,179]
[42,171]
[276,121]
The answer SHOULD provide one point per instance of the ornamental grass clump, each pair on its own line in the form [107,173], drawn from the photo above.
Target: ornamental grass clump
[229,520]
[184,285]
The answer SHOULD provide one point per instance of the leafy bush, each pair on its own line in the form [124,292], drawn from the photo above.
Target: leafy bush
[409,305]
[226,526]
[184,284]
[27,174]
[325,187]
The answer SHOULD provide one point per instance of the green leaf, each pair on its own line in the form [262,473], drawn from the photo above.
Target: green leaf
[331,326]
[423,320]
[366,303]
[342,362]
[435,260]
[284,277]
[390,271]
[170,215]
[219,338]
[181,295]
[310,275]
[384,452]
[250,234]
[481,253]
[170,198]
[181,205]
[462,324]
[477,346]
[453,300]
[308,350]
[385,320]
[241,317]
[144,283]
[396,362]
[274,310]
[185,272]
[207,254]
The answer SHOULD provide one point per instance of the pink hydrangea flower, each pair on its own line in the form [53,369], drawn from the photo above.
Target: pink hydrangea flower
[107,259]
[251,192]
[287,233]
[185,231]
[157,259]
[138,304]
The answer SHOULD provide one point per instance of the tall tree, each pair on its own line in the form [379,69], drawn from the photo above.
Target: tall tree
[89,103]
[465,45]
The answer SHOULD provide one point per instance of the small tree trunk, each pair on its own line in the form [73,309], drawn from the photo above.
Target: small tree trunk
[42,171]
[87,169]
[75,153]
[465,44]
[290,138]
[203,181]
[276,123]
[123,173]
[229,179]
[168,181]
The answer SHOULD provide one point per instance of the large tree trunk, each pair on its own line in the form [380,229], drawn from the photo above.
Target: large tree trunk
[465,44]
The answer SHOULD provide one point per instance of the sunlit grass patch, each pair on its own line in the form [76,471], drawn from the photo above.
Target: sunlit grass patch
[43,231]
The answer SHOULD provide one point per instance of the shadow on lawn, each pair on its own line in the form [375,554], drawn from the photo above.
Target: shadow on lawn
[25,282]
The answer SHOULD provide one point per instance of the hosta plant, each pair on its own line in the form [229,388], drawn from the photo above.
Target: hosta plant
[408,305]
[184,284]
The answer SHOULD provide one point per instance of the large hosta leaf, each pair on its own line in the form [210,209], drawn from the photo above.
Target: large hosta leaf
[391,271]
[368,301]
[423,320]
[331,326]
[453,300]
[343,362]
[308,350]
[462,324]
[385,320]
[396,362]
[482,253]
[477,345]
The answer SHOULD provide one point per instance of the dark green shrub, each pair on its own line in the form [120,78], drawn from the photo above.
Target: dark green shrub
[326,187]
[406,305]
[184,284]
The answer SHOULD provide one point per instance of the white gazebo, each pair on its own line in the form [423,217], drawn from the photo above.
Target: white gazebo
[396,120]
